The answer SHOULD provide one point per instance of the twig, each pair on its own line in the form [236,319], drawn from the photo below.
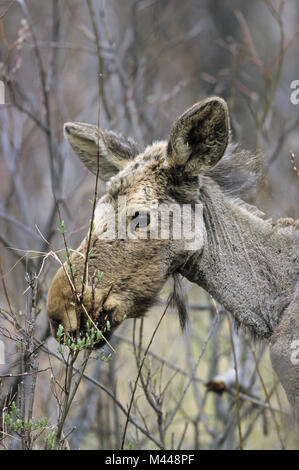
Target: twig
[292,155]
[237,383]
[24,374]
[139,372]
[7,8]
[215,321]
[267,398]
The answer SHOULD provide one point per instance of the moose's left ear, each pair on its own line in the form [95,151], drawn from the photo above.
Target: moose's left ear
[198,138]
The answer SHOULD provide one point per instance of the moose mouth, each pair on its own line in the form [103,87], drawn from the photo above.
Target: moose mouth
[103,324]
[103,342]
[80,131]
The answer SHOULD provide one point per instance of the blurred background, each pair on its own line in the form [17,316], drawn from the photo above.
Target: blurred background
[156,58]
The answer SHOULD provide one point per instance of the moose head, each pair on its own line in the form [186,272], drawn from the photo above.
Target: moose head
[140,235]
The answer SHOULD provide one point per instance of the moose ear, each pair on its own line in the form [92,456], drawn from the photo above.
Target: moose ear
[114,151]
[198,138]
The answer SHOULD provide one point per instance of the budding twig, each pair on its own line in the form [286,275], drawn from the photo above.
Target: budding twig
[292,155]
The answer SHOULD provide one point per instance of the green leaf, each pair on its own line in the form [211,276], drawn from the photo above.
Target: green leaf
[61,227]
[59,332]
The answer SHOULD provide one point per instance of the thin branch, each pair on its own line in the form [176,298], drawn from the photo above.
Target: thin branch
[139,372]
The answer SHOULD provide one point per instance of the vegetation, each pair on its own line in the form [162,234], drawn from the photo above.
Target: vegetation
[141,63]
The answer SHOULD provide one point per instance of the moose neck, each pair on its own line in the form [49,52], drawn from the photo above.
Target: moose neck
[247,264]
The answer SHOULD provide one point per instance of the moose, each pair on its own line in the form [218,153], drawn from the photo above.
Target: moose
[248,264]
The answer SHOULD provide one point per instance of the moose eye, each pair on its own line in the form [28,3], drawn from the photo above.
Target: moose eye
[141,220]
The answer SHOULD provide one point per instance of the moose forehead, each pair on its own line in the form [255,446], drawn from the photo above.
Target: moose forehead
[145,176]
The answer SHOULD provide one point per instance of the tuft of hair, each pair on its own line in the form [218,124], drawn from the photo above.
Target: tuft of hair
[238,171]
[178,300]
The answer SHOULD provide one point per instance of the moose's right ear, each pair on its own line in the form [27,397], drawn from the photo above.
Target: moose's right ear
[114,151]
[198,138]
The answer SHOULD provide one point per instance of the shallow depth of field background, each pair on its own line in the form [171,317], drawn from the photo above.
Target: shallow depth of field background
[157,58]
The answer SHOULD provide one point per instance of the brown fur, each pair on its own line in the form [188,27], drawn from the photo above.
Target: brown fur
[251,266]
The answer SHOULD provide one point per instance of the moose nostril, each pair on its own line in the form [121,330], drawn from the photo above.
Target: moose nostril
[67,129]
[106,313]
